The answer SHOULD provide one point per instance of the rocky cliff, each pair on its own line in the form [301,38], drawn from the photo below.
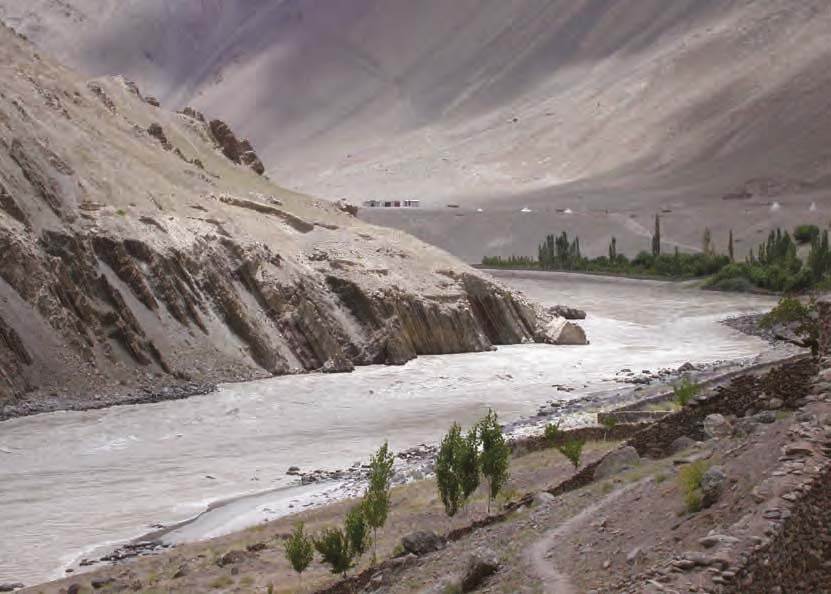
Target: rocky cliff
[136,253]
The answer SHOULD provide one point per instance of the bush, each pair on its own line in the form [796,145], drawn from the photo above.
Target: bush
[802,317]
[299,549]
[357,531]
[553,434]
[689,482]
[805,233]
[573,450]
[685,391]
[333,546]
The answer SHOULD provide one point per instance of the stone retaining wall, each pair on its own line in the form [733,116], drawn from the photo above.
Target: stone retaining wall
[798,559]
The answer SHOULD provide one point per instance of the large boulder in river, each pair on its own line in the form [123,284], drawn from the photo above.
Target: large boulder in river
[560,331]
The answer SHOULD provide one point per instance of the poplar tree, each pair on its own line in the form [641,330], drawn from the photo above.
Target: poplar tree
[448,480]
[495,455]
[469,464]
[656,238]
[299,550]
[376,503]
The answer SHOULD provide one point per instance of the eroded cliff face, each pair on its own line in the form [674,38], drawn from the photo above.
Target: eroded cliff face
[134,254]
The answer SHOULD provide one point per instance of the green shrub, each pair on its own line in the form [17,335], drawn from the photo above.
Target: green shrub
[685,391]
[357,531]
[805,233]
[333,546]
[802,317]
[299,549]
[573,450]
[689,482]
[553,434]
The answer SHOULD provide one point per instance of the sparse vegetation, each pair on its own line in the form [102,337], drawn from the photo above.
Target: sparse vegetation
[689,482]
[222,581]
[684,391]
[609,423]
[552,434]
[801,318]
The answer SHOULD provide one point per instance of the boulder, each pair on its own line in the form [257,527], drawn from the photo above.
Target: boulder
[480,566]
[681,444]
[716,426]
[11,587]
[74,588]
[543,498]
[569,313]
[712,485]
[422,543]
[559,331]
[617,461]
[687,367]
[745,427]
[766,416]
[774,404]
[98,583]
[231,558]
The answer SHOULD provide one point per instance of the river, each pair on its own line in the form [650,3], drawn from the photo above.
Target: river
[74,482]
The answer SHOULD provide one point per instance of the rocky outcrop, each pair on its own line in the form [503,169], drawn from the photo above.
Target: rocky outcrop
[128,276]
[238,151]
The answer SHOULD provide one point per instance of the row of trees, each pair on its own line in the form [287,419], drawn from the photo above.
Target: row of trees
[775,265]
[340,547]
[463,459]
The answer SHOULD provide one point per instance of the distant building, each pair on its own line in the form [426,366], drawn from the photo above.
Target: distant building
[392,203]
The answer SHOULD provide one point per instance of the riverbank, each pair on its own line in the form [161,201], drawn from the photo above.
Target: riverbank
[250,560]
[316,490]
[115,473]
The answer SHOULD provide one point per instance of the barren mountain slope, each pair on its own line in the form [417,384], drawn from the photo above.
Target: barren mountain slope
[133,252]
[630,106]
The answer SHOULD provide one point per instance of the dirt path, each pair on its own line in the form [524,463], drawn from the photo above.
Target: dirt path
[540,556]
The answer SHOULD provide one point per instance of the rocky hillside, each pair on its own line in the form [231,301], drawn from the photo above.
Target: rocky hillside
[595,114]
[141,248]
